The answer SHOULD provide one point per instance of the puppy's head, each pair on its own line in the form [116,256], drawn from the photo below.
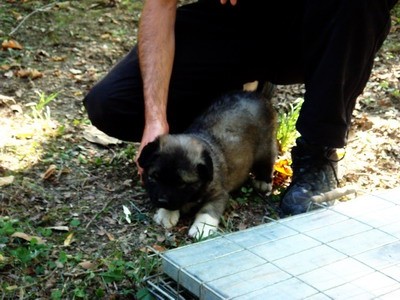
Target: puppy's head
[176,170]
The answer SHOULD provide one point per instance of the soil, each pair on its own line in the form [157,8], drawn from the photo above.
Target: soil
[57,176]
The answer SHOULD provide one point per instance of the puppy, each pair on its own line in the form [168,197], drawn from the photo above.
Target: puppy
[198,169]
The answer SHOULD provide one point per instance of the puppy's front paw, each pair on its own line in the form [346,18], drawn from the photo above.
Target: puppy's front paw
[263,186]
[166,218]
[203,226]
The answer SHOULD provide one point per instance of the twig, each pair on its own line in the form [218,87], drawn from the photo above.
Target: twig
[334,194]
[99,213]
[40,9]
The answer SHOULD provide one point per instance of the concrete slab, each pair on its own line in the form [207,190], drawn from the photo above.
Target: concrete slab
[350,250]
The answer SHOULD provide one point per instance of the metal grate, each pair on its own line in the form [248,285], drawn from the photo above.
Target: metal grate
[165,288]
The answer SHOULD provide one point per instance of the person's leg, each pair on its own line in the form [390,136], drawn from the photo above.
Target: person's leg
[206,64]
[341,39]
[115,104]
[218,49]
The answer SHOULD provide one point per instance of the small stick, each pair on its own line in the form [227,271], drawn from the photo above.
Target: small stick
[334,194]
[99,213]
[40,9]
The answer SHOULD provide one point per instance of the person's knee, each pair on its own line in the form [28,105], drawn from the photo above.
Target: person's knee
[117,116]
[95,103]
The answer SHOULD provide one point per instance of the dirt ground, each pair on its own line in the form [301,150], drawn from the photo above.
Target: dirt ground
[52,174]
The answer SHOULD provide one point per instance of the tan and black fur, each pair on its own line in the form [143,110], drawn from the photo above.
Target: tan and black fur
[198,169]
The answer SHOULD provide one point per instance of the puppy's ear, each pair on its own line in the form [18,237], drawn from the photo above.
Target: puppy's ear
[206,168]
[148,152]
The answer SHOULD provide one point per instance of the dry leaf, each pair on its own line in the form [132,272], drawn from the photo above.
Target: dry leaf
[93,135]
[59,228]
[6,180]
[58,58]
[27,237]
[153,249]
[158,248]
[35,74]
[75,71]
[110,236]
[51,170]
[87,265]
[11,44]
[69,240]
[6,99]
[29,73]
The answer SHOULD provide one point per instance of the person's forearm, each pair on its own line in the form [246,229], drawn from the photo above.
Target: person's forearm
[156,46]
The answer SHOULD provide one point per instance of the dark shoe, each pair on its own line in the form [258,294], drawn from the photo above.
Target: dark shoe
[314,172]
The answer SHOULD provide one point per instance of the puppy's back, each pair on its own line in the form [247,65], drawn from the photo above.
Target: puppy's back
[242,125]
[236,116]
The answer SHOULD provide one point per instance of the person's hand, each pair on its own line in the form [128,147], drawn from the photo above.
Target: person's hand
[150,133]
[233,2]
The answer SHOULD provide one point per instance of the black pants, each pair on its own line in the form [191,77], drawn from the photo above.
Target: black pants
[329,45]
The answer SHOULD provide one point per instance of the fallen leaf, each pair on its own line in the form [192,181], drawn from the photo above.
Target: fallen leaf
[11,44]
[29,73]
[6,100]
[58,58]
[59,228]
[127,213]
[51,170]
[93,135]
[28,237]
[75,71]
[158,248]
[69,240]
[35,74]
[6,180]
[110,236]
[87,265]
[152,249]
[5,67]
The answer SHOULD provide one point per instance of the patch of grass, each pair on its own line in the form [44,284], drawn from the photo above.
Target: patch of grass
[40,109]
[35,258]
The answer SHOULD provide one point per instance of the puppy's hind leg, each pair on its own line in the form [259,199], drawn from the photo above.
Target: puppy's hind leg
[263,173]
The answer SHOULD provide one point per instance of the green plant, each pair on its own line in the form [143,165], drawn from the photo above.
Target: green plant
[41,110]
[244,195]
[287,133]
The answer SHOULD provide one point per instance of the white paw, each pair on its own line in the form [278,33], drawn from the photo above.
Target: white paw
[203,226]
[262,186]
[166,218]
